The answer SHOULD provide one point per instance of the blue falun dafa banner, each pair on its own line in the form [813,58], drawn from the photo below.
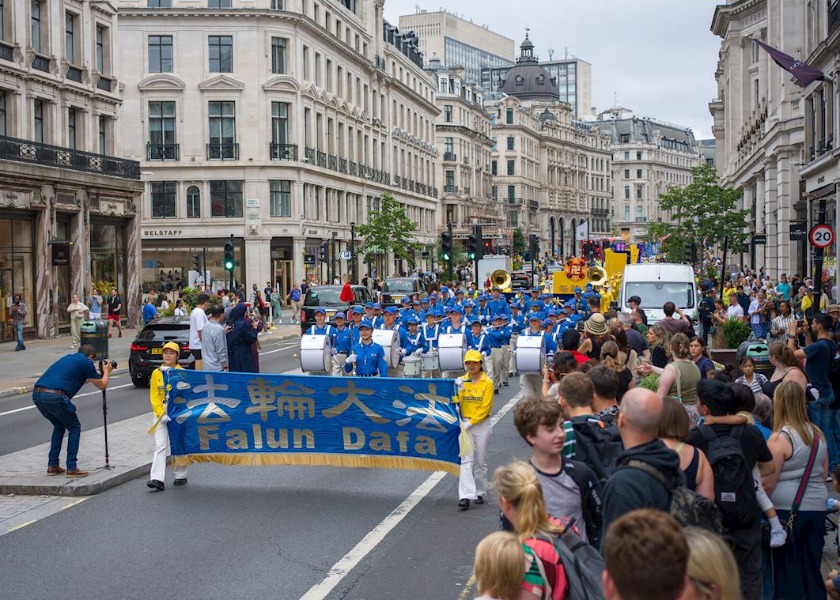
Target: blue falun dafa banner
[264,419]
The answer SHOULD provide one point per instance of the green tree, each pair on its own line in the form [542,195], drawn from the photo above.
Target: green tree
[702,212]
[518,242]
[389,230]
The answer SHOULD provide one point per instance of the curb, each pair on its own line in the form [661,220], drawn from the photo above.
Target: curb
[76,487]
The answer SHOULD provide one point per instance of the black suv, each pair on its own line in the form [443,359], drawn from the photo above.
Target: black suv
[395,288]
[147,347]
[520,280]
[326,296]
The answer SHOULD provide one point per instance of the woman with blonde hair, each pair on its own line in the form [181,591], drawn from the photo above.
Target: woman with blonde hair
[712,570]
[800,455]
[500,564]
[658,338]
[521,502]
[611,357]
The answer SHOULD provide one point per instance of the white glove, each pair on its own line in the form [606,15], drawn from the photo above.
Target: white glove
[466,424]
[333,351]
[165,419]
[459,383]
[418,352]
[402,351]
[351,359]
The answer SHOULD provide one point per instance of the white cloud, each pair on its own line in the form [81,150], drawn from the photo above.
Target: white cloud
[655,57]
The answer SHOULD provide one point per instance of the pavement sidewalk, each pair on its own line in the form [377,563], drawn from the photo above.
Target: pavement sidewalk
[24,472]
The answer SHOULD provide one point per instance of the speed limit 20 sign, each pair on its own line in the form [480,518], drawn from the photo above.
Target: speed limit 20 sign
[821,236]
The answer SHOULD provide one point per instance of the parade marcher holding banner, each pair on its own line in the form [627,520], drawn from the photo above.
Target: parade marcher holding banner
[366,356]
[158,396]
[475,396]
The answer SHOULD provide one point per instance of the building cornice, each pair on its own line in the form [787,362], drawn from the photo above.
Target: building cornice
[726,12]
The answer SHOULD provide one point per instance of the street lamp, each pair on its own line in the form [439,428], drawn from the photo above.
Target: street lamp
[353,251]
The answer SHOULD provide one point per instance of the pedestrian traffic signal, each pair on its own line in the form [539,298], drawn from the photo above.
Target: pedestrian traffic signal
[196,263]
[446,245]
[472,245]
[229,262]
[324,253]
[479,242]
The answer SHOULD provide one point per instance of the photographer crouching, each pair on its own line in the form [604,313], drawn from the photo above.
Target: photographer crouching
[52,396]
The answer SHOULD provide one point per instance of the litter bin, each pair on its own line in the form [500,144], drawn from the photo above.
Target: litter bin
[95,333]
[760,353]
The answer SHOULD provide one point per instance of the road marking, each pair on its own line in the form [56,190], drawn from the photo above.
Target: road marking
[21,526]
[350,560]
[16,410]
[467,591]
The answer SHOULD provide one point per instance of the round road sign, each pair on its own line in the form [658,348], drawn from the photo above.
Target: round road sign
[821,236]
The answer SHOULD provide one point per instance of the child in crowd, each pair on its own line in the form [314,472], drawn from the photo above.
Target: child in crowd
[750,378]
[500,564]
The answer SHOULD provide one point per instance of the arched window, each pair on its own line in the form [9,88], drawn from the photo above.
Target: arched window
[193,202]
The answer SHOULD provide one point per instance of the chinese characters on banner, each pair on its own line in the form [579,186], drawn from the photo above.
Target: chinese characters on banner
[264,419]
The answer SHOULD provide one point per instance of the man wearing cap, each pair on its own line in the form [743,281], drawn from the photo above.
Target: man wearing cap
[530,384]
[376,319]
[414,341]
[368,311]
[497,335]
[389,323]
[482,311]
[497,304]
[535,295]
[158,396]
[431,332]
[579,302]
[456,326]
[516,325]
[504,374]
[366,356]
[356,315]
[342,341]
[469,316]
[477,340]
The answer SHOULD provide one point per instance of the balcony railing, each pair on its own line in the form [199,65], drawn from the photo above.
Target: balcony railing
[105,84]
[353,169]
[223,151]
[41,63]
[450,189]
[342,165]
[74,74]
[450,156]
[7,52]
[163,151]
[15,149]
[322,159]
[282,151]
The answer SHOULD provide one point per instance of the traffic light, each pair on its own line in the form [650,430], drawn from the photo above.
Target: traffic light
[324,254]
[479,242]
[534,246]
[691,252]
[446,245]
[229,263]
[196,263]
[472,245]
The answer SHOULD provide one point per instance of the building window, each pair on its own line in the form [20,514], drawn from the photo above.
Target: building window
[162,144]
[193,202]
[103,135]
[70,37]
[448,145]
[160,54]
[638,173]
[163,199]
[71,128]
[513,218]
[449,178]
[221,53]
[35,26]
[226,199]
[626,173]
[626,212]
[222,130]
[447,113]
[2,20]
[278,55]
[277,5]
[218,3]
[279,123]
[511,193]
[100,48]
[639,155]
[3,113]
[38,120]
[511,167]
[494,167]
[281,198]
[626,192]
[509,116]
[510,142]
[159,3]
[640,192]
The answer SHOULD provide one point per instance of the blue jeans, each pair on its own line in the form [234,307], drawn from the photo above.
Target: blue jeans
[59,411]
[827,420]
[19,336]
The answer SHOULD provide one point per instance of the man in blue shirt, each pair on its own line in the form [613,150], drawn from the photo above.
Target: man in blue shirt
[52,394]
[498,305]
[150,313]
[342,341]
[367,356]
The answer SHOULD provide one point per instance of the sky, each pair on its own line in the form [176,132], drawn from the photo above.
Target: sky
[654,57]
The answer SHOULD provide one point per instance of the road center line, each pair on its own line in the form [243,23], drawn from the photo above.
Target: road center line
[350,560]
[31,406]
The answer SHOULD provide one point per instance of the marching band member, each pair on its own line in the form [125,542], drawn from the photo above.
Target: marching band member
[389,322]
[469,316]
[483,312]
[431,331]
[504,363]
[535,295]
[475,397]
[517,324]
[342,342]
[496,334]
[356,316]
[531,383]
[377,314]
[366,356]
[414,341]
[321,327]
[497,304]
[455,326]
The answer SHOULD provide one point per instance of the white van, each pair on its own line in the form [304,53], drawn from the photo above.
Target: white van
[656,284]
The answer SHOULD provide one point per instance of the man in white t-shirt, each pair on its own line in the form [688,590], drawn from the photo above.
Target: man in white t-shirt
[198,319]
[734,311]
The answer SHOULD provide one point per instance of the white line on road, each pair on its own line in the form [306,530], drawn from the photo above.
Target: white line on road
[350,560]
[30,407]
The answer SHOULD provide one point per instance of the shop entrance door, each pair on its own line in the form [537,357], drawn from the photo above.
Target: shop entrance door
[283,275]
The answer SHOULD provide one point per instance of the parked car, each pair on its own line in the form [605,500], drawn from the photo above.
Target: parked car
[519,280]
[147,347]
[327,297]
[395,288]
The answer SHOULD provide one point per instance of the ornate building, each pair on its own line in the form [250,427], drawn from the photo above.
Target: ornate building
[279,123]
[68,206]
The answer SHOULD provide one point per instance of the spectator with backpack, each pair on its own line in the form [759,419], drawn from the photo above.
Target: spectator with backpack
[673,431]
[561,565]
[797,488]
[628,489]
[733,451]
[646,557]
[569,487]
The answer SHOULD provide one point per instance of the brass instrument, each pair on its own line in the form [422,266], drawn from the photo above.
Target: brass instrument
[596,275]
[500,279]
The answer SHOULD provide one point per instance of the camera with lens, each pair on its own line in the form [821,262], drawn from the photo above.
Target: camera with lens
[113,363]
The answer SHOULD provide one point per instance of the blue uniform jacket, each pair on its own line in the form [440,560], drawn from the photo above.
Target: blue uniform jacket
[342,340]
[430,335]
[370,360]
[479,342]
[414,342]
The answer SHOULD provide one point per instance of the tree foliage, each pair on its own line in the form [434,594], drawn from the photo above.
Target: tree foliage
[518,242]
[702,212]
[389,229]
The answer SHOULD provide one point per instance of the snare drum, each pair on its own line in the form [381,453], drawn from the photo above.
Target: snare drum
[413,366]
[451,348]
[315,354]
[431,361]
[530,354]
[390,342]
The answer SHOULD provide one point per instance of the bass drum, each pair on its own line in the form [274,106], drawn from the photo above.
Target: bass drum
[390,342]
[530,354]
[315,354]
[451,349]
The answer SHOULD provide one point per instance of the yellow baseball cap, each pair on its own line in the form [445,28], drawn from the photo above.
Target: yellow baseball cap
[473,356]
[172,346]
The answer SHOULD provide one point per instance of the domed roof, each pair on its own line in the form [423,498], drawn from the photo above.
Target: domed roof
[527,80]
[435,64]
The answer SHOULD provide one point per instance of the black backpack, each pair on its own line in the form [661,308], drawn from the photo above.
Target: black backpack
[734,485]
[581,562]
[689,508]
[597,444]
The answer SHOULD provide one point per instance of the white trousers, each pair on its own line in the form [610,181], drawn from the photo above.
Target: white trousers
[497,357]
[338,364]
[512,354]
[473,479]
[161,451]
[506,354]
[530,384]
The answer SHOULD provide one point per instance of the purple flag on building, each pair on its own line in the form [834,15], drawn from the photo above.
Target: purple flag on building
[803,73]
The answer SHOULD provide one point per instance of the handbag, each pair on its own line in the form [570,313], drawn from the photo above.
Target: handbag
[801,491]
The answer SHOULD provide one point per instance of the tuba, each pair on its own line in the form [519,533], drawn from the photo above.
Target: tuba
[596,275]
[500,279]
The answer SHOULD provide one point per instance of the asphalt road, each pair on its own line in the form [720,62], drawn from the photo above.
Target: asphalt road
[240,532]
